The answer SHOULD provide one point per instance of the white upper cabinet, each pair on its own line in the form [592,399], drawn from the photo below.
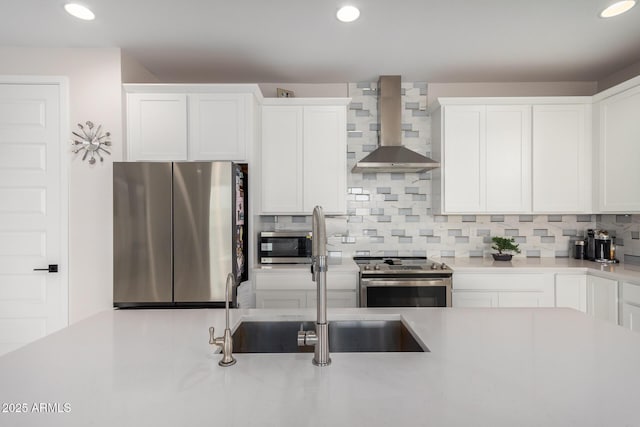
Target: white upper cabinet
[281,159]
[218,126]
[190,122]
[325,158]
[619,151]
[512,155]
[486,158]
[561,158]
[156,126]
[303,156]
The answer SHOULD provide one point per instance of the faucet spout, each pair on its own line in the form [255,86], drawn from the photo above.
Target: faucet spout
[319,271]
[225,341]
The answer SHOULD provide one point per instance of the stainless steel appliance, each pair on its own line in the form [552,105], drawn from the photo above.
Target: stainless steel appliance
[179,230]
[391,155]
[600,247]
[284,247]
[403,282]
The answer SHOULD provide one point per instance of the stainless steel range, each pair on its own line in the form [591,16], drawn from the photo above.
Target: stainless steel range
[403,282]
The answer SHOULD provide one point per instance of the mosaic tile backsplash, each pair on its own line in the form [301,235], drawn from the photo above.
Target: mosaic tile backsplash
[389,214]
[626,232]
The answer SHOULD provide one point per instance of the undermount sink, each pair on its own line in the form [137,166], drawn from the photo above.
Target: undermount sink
[345,336]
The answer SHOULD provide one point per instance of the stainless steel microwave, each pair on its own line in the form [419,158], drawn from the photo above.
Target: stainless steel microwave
[284,247]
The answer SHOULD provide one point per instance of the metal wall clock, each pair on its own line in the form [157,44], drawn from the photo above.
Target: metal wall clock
[91,141]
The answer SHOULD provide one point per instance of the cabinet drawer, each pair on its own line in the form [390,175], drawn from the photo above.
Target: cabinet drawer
[631,293]
[503,282]
[301,280]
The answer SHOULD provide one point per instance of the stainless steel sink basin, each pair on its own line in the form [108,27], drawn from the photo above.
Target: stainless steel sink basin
[345,336]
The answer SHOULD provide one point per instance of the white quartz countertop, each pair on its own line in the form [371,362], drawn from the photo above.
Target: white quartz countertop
[553,265]
[487,367]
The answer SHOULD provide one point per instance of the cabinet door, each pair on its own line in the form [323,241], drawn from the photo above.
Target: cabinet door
[561,159]
[281,299]
[523,299]
[464,159]
[335,299]
[602,298]
[218,126]
[474,299]
[156,126]
[508,158]
[325,159]
[619,152]
[631,317]
[571,291]
[282,159]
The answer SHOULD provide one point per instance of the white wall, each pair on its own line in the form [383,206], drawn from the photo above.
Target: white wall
[134,72]
[619,76]
[95,93]
[435,90]
[307,90]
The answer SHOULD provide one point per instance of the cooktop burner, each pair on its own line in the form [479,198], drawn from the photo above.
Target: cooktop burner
[400,265]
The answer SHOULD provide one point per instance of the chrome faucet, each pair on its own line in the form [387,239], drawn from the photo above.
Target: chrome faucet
[225,341]
[319,338]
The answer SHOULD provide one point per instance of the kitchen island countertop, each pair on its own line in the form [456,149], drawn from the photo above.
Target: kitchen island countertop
[487,367]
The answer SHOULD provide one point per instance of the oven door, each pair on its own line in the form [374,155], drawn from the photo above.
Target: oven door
[406,292]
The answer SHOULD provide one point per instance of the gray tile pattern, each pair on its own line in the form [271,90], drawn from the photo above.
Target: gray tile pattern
[390,213]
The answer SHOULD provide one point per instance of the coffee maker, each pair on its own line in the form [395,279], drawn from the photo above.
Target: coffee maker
[600,247]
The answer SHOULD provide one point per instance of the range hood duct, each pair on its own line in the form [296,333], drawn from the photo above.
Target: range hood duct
[391,155]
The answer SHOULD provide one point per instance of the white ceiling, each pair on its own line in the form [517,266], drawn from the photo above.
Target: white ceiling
[300,41]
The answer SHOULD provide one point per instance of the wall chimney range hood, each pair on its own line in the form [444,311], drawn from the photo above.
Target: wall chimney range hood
[391,155]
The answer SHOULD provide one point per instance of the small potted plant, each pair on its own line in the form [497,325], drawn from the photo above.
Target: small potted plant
[504,244]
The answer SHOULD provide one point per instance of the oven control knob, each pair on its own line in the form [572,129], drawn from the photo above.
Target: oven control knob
[367,267]
[376,267]
[443,266]
[434,266]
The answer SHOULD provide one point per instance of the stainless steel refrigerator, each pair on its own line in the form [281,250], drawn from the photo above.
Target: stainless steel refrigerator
[179,230]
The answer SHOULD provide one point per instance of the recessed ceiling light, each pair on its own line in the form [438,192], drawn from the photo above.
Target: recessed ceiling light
[79,11]
[348,13]
[617,8]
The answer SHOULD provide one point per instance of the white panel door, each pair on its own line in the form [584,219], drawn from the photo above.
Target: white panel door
[523,299]
[464,159]
[508,158]
[281,159]
[156,126]
[32,303]
[631,317]
[619,152]
[561,159]
[571,291]
[474,299]
[602,298]
[325,159]
[218,126]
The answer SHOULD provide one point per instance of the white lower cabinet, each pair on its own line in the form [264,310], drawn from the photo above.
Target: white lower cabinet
[602,298]
[281,299]
[630,306]
[571,291]
[295,289]
[503,290]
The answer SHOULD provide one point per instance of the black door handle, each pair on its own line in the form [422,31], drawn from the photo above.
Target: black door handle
[53,268]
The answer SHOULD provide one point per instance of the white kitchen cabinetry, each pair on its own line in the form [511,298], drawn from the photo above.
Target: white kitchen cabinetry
[561,158]
[571,291]
[218,126]
[512,155]
[630,306]
[304,156]
[293,288]
[190,122]
[602,298]
[486,158]
[157,126]
[619,152]
[503,290]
